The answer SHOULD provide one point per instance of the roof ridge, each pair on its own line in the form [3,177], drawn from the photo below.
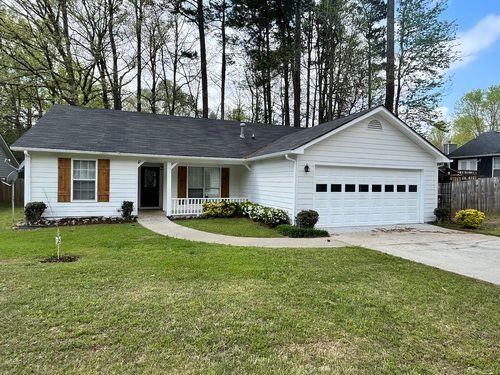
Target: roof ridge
[164,115]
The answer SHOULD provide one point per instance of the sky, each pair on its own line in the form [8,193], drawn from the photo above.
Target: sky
[478,24]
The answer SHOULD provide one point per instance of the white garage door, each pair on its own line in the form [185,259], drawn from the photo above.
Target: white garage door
[366,196]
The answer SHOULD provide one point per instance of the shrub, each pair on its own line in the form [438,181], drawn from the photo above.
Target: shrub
[442,214]
[469,218]
[33,211]
[127,208]
[306,219]
[299,232]
[219,209]
[266,215]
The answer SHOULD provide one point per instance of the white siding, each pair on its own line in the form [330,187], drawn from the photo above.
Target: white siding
[123,187]
[270,183]
[359,146]
[235,177]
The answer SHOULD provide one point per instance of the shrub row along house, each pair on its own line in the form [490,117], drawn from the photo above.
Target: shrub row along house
[364,169]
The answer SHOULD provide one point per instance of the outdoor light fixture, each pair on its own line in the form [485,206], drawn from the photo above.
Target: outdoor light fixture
[306,168]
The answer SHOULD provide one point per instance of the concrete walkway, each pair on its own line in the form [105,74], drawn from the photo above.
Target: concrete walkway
[159,223]
[468,254]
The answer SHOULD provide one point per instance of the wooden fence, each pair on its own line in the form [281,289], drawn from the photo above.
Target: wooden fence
[482,194]
[5,192]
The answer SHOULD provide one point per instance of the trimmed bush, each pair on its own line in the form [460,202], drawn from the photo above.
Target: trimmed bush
[127,208]
[298,232]
[266,215]
[33,211]
[220,209]
[306,219]
[442,214]
[469,218]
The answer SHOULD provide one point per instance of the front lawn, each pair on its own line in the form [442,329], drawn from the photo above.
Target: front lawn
[235,226]
[137,302]
[490,226]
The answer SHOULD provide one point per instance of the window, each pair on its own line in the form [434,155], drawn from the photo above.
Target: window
[84,180]
[376,188]
[203,182]
[401,188]
[350,188]
[363,188]
[467,165]
[389,188]
[496,167]
[321,188]
[336,188]
[412,188]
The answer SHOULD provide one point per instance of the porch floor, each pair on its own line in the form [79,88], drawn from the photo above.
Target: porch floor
[159,223]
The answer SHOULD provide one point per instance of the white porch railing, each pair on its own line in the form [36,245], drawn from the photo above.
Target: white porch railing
[194,206]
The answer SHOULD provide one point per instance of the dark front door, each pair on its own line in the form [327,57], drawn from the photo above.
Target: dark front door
[150,187]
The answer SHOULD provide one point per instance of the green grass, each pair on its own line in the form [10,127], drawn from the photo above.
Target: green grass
[136,302]
[490,226]
[236,226]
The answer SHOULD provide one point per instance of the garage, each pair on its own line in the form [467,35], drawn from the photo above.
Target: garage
[347,196]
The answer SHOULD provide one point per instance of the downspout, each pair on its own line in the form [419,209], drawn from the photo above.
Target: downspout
[27,177]
[294,161]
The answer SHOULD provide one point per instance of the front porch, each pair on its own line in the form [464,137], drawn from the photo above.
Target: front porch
[180,189]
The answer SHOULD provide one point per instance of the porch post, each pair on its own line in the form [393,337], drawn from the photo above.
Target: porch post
[169,168]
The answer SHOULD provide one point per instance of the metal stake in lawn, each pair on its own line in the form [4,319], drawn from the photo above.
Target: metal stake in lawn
[58,234]
[10,180]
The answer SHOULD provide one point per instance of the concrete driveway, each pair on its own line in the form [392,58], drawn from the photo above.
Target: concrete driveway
[468,254]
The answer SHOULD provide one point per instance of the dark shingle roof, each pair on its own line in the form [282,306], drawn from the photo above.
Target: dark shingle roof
[486,144]
[100,130]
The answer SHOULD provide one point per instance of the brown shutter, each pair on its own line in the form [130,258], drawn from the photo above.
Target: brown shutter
[64,180]
[181,182]
[103,180]
[224,191]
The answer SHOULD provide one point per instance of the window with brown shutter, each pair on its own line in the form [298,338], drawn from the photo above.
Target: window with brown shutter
[181,182]
[64,180]
[103,180]
[224,192]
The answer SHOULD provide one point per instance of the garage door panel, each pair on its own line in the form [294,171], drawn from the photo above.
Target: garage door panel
[366,208]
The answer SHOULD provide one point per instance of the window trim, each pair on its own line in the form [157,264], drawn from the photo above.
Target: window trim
[493,169]
[203,167]
[467,161]
[96,182]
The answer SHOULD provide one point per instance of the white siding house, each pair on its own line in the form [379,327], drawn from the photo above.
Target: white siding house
[365,169]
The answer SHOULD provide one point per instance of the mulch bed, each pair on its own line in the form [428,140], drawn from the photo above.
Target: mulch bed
[61,259]
[75,221]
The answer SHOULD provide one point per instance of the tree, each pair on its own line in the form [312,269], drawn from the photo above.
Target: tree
[389,70]
[373,12]
[425,52]
[475,113]
[194,11]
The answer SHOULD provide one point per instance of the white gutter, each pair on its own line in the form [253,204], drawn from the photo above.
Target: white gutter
[294,161]
[177,157]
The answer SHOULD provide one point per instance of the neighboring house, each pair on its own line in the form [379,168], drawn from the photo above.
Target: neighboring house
[364,169]
[5,153]
[480,156]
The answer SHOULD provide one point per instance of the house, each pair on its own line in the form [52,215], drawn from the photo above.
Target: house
[481,156]
[364,169]
[6,154]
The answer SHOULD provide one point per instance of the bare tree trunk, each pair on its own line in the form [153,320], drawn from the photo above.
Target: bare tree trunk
[200,20]
[296,64]
[223,63]
[139,15]
[115,85]
[308,73]
[389,84]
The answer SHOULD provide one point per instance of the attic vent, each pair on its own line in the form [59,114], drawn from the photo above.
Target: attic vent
[375,125]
